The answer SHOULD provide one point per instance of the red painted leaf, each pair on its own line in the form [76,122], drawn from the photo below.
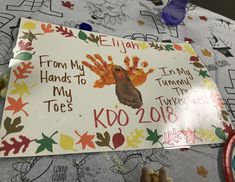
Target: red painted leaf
[15,145]
[25,46]
[64,31]
[16,105]
[67,4]
[22,71]
[186,39]
[203,18]
[86,140]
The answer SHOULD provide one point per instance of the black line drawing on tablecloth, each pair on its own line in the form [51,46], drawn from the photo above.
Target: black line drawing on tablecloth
[220,45]
[107,12]
[43,6]
[160,26]
[223,21]
[142,37]
[231,89]
[230,103]
[30,169]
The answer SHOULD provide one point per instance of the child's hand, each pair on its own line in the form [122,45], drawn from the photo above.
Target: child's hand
[148,176]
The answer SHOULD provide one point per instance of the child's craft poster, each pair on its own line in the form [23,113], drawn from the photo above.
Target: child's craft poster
[73,91]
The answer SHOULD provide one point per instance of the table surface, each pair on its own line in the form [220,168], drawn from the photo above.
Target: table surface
[211,35]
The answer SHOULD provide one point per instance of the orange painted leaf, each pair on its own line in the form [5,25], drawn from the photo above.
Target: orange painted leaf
[177,47]
[16,105]
[47,28]
[85,140]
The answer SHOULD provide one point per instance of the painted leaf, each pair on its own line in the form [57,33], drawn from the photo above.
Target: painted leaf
[156,46]
[67,4]
[206,134]
[220,133]
[103,140]
[204,73]
[194,58]
[189,40]
[201,170]
[118,139]
[15,145]
[207,53]
[153,136]
[25,56]
[47,28]
[64,31]
[143,45]
[25,46]
[135,139]
[218,101]
[22,71]
[29,25]
[93,38]
[189,49]
[16,105]
[228,128]
[20,89]
[198,65]
[12,127]
[82,35]
[208,83]
[67,142]
[204,18]
[86,140]
[169,47]
[225,115]
[46,143]
[190,135]
[29,36]
[172,136]
[177,47]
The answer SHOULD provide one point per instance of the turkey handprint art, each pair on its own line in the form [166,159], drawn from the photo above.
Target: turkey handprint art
[125,80]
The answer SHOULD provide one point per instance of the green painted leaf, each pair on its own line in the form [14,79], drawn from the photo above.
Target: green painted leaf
[46,143]
[220,133]
[153,136]
[198,65]
[25,56]
[82,35]
[169,47]
[204,73]
[28,35]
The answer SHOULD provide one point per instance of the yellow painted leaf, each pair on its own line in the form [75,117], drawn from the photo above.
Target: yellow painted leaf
[201,170]
[20,88]
[135,139]
[29,25]
[67,142]
[208,83]
[206,134]
[189,49]
[143,45]
[207,53]
[140,22]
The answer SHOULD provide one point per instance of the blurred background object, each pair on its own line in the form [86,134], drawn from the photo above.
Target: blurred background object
[225,8]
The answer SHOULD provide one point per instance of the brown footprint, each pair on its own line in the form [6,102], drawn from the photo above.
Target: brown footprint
[126,92]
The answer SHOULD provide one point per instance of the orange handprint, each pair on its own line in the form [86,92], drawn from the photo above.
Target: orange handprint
[103,69]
